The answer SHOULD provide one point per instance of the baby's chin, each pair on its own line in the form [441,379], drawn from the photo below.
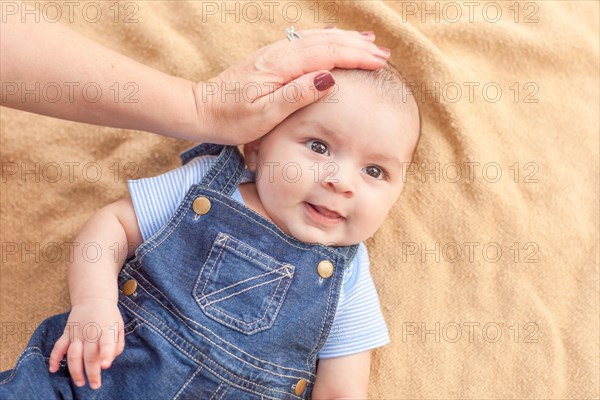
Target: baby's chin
[312,235]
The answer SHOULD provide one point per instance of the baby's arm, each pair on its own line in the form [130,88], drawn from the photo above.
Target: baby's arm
[345,377]
[115,230]
[94,293]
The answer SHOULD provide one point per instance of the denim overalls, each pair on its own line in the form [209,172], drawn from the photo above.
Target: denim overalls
[219,304]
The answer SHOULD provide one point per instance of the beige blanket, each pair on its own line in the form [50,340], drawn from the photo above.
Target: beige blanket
[488,267]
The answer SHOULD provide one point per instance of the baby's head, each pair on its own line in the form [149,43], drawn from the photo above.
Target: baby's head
[331,171]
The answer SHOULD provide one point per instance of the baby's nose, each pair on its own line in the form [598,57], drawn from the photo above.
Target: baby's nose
[340,181]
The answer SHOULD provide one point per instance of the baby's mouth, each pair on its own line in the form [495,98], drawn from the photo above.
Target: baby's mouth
[324,214]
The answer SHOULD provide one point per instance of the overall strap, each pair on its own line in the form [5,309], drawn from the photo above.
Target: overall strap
[226,173]
[348,252]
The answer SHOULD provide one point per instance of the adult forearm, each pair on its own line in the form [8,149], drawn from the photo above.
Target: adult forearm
[49,69]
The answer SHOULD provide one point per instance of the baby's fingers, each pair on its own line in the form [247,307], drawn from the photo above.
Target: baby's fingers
[120,342]
[60,349]
[91,361]
[74,362]
[108,348]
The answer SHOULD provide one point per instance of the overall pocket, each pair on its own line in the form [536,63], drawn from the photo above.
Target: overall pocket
[241,287]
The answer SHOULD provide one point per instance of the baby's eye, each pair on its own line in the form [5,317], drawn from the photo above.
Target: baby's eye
[318,147]
[374,171]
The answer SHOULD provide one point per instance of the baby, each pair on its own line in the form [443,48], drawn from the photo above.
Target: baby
[244,277]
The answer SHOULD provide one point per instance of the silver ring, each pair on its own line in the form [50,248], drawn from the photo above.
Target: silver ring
[291,34]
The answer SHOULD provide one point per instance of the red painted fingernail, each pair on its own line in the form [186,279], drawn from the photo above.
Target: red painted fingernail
[330,27]
[324,81]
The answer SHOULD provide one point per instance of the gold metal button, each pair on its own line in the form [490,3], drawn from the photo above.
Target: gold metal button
[325,269]
[201,205]
[129,287]
[300,386]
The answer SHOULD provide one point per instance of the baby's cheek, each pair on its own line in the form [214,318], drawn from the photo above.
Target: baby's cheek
[373,216]
[357,228]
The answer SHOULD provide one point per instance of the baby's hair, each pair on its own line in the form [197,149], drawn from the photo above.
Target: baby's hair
[392,85]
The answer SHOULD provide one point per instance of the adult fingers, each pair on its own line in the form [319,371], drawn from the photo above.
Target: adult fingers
[92,363]
[320,51]
[296,94]
[326,34]
[331,55]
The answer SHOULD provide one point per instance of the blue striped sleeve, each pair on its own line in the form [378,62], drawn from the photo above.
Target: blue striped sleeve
[358,324]
[156,199]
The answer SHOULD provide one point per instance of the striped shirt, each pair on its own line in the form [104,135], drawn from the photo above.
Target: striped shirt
[358,324]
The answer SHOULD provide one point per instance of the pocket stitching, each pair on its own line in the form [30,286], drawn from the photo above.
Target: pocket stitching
[226,323]
[257,320]
[215,263]
[253,259]
[206,296]
[222,240]
[226,319]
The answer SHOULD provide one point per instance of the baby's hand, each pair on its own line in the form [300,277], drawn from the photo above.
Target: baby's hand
[93,338]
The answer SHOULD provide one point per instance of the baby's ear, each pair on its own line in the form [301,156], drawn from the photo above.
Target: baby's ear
[251,154]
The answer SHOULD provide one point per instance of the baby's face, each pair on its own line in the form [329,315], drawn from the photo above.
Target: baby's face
[330,173]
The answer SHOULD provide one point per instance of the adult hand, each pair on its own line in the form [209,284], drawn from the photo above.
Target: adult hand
[34,56]
[247,100]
